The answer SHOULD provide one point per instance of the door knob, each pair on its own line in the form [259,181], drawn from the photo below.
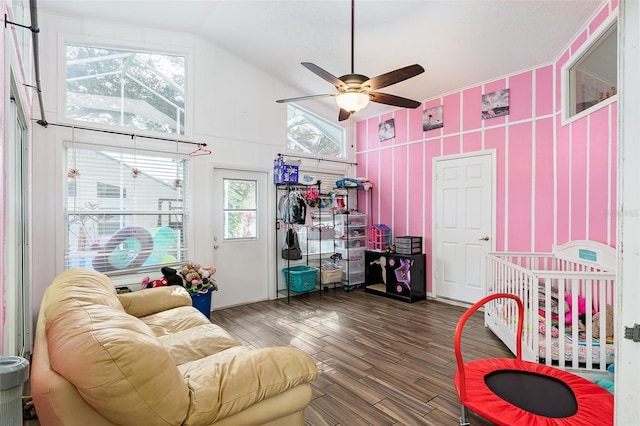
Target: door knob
[215,247]
[485,238]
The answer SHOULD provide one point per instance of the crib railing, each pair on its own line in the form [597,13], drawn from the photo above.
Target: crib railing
[535,278]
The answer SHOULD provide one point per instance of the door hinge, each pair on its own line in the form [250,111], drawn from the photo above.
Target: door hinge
[632,333]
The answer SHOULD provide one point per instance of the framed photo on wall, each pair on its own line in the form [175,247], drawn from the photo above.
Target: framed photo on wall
[432,118]
[495,104]
[386,130]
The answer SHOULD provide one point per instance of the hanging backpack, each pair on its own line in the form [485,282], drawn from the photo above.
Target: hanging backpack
[291,248]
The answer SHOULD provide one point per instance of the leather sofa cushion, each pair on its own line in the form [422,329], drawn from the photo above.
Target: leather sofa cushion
[117,364]
[232,380]
[81,287]
[152,300]
[197,342]
[177,319]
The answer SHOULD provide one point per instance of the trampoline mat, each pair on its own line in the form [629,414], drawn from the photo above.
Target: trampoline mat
[536,393]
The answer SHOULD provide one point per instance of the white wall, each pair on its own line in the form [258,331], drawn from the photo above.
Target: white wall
[233,111]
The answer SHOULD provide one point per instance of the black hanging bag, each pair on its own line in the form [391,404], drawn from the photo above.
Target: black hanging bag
[291,248]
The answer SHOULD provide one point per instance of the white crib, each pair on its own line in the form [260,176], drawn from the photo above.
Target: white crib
[578,270]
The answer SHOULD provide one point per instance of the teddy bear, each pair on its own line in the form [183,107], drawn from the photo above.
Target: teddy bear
[609,322]
[190,272]
[595,323]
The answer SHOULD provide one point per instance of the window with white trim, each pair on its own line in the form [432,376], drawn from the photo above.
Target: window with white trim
[125,88]
[125,212]
[307,132]
[240,209]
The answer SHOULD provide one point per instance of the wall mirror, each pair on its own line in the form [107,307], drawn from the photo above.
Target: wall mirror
[592,77]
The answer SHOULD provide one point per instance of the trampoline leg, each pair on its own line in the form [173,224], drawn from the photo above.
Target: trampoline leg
[464,416]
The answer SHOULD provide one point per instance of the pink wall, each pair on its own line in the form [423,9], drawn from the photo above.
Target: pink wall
[555,183]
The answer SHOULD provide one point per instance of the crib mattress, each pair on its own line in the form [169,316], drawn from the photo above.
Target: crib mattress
[568,351]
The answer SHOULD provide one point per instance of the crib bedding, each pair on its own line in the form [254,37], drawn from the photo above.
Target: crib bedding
[568,350]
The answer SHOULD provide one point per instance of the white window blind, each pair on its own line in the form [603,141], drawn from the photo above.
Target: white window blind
[125,212]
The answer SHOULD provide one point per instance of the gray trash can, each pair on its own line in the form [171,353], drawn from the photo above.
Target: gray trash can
[14,371]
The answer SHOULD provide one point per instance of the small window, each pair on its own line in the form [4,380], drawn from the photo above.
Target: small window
[592,77]
[311,134]
[126,88]
[240,209]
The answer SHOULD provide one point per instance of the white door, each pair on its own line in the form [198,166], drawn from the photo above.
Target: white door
[240,236]
[463,228]
[627,365]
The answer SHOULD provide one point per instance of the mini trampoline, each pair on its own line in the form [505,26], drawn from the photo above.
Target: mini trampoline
[516,392]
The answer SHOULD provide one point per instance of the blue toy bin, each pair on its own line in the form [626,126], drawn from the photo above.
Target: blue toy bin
[202,302]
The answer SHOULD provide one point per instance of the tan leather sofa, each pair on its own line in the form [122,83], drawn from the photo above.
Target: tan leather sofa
[150,358]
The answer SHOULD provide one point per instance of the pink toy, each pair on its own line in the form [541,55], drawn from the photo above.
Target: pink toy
[582,308]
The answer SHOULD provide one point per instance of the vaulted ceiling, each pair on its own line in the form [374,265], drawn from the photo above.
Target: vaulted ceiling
[458,42]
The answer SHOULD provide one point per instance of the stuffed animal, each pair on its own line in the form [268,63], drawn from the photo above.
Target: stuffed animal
[169,277]
[609,322]
[582,308]
[190,274]
[207,271]
[147,283]
[172,276]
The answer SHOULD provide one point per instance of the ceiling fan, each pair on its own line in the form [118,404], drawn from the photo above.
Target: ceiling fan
[356,90]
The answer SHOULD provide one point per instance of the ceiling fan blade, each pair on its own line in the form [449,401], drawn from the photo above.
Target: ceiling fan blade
[393,77]
[325,75]
[343,115]
[304,98]
[385,98]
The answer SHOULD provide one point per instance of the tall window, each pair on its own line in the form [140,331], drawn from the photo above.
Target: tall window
[125,88]
[125,212]
[311,134]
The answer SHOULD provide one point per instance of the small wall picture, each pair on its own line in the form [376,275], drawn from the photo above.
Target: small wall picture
[495,104]
[432,118]
[386,130]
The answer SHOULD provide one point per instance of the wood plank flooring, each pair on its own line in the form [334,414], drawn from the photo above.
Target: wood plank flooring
[380,361]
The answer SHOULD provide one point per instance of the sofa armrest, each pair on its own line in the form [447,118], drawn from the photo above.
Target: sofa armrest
[229,382]
[152,300]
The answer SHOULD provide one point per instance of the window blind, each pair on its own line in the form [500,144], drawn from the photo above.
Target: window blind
[125,212]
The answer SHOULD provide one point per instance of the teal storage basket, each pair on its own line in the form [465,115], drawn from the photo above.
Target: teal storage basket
[300,278]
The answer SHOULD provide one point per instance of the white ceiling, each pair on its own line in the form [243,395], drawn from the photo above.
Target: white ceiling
[458,42]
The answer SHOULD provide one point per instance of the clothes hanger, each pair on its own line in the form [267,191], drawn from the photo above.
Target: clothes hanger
[199,151]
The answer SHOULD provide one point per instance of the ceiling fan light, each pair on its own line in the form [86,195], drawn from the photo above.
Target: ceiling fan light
[352,101]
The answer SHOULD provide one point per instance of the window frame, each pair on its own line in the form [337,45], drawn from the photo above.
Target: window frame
[343,132]
[226,210]
[568,91]
[127,277]
[141,47]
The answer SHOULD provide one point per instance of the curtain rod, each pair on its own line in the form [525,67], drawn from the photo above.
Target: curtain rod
[132,135]
[318,159]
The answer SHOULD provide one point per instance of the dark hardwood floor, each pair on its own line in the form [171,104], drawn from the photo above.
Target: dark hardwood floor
[380,361]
